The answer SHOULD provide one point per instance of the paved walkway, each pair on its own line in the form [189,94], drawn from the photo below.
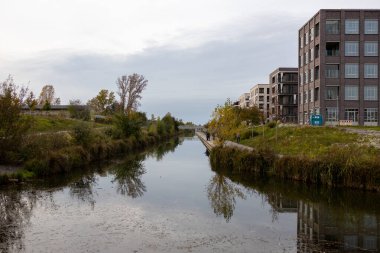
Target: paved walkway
[210,144]
[374,136]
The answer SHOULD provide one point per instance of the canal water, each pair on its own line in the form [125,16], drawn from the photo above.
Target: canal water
[170,200]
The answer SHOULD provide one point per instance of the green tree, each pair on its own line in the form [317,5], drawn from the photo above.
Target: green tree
[13,125]
[103,103]
[130,124]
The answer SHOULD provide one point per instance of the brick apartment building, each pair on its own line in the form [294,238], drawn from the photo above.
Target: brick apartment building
[338,67]
[284,90]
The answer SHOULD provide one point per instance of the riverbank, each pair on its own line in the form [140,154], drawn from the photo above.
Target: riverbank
[79,144]
[327,156]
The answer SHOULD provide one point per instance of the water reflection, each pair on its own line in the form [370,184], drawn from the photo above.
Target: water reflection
[15,212]
[328,220]
[222,194]
[83,189]
[128,177]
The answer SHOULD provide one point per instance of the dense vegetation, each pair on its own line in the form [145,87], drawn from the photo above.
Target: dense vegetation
[48,145]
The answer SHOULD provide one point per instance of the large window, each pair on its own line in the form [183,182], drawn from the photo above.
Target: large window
[370,114]
[371,26]
[371,48]
[332,70]
[351,48]
[370,92]
[301,78]
[351,70]
[351,114]
[370,70]
[331,114]
[332,26]
[351,92]
[306,38]
[352,26]
[332,92]
[311,52]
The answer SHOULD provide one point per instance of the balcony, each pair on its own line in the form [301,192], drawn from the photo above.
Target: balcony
[332,48]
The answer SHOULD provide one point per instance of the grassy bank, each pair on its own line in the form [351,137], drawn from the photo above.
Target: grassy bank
[302,141]
[352,166]
[75,144]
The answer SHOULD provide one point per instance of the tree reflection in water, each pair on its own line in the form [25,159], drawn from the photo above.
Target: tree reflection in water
[128,177]
[222,194]
[83,189]
[15,212]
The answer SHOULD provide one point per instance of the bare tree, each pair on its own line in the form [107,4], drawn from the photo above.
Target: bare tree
[129,91]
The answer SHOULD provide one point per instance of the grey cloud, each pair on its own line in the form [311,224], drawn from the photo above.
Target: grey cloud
[187,82]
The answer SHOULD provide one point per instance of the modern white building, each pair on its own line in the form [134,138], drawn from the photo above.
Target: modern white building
[260,96]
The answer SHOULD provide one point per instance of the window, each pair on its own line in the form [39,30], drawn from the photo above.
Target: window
[317,30]
[311,54]
[306,57]
[352,26]
[301,78]
[316,52]
[370,70]
[306,77]
[261,98]
[371,48]
[312,34]
[306,38]
[350,242]
[261,106]
[332,92]
[331,114]
[351,48]
[370,242]
[332,70]
[332,48]
[305,97]
[311,73]
[301,60]
[351,114]
[316,94]
[370,92]
[371,26]
[301,99]
[311,92]
[268,91]
[261,90]
[351,92]
[370,114]
[301,42]
[351,70]
[332,26]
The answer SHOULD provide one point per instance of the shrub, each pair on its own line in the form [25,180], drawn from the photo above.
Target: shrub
[271,124]
[82,134]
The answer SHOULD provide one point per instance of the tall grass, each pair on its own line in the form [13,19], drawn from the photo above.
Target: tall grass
[350,165]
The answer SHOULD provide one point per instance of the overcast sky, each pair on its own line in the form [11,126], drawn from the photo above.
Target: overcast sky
[195,53]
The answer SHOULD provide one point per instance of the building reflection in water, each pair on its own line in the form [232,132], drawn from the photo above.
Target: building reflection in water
[321,228]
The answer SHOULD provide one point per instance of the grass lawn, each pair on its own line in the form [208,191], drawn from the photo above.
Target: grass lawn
[54,123]
[310,141]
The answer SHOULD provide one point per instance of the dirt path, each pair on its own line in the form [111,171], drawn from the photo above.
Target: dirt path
[371,137]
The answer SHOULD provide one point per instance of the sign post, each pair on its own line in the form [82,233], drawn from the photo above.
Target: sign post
[316,120]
